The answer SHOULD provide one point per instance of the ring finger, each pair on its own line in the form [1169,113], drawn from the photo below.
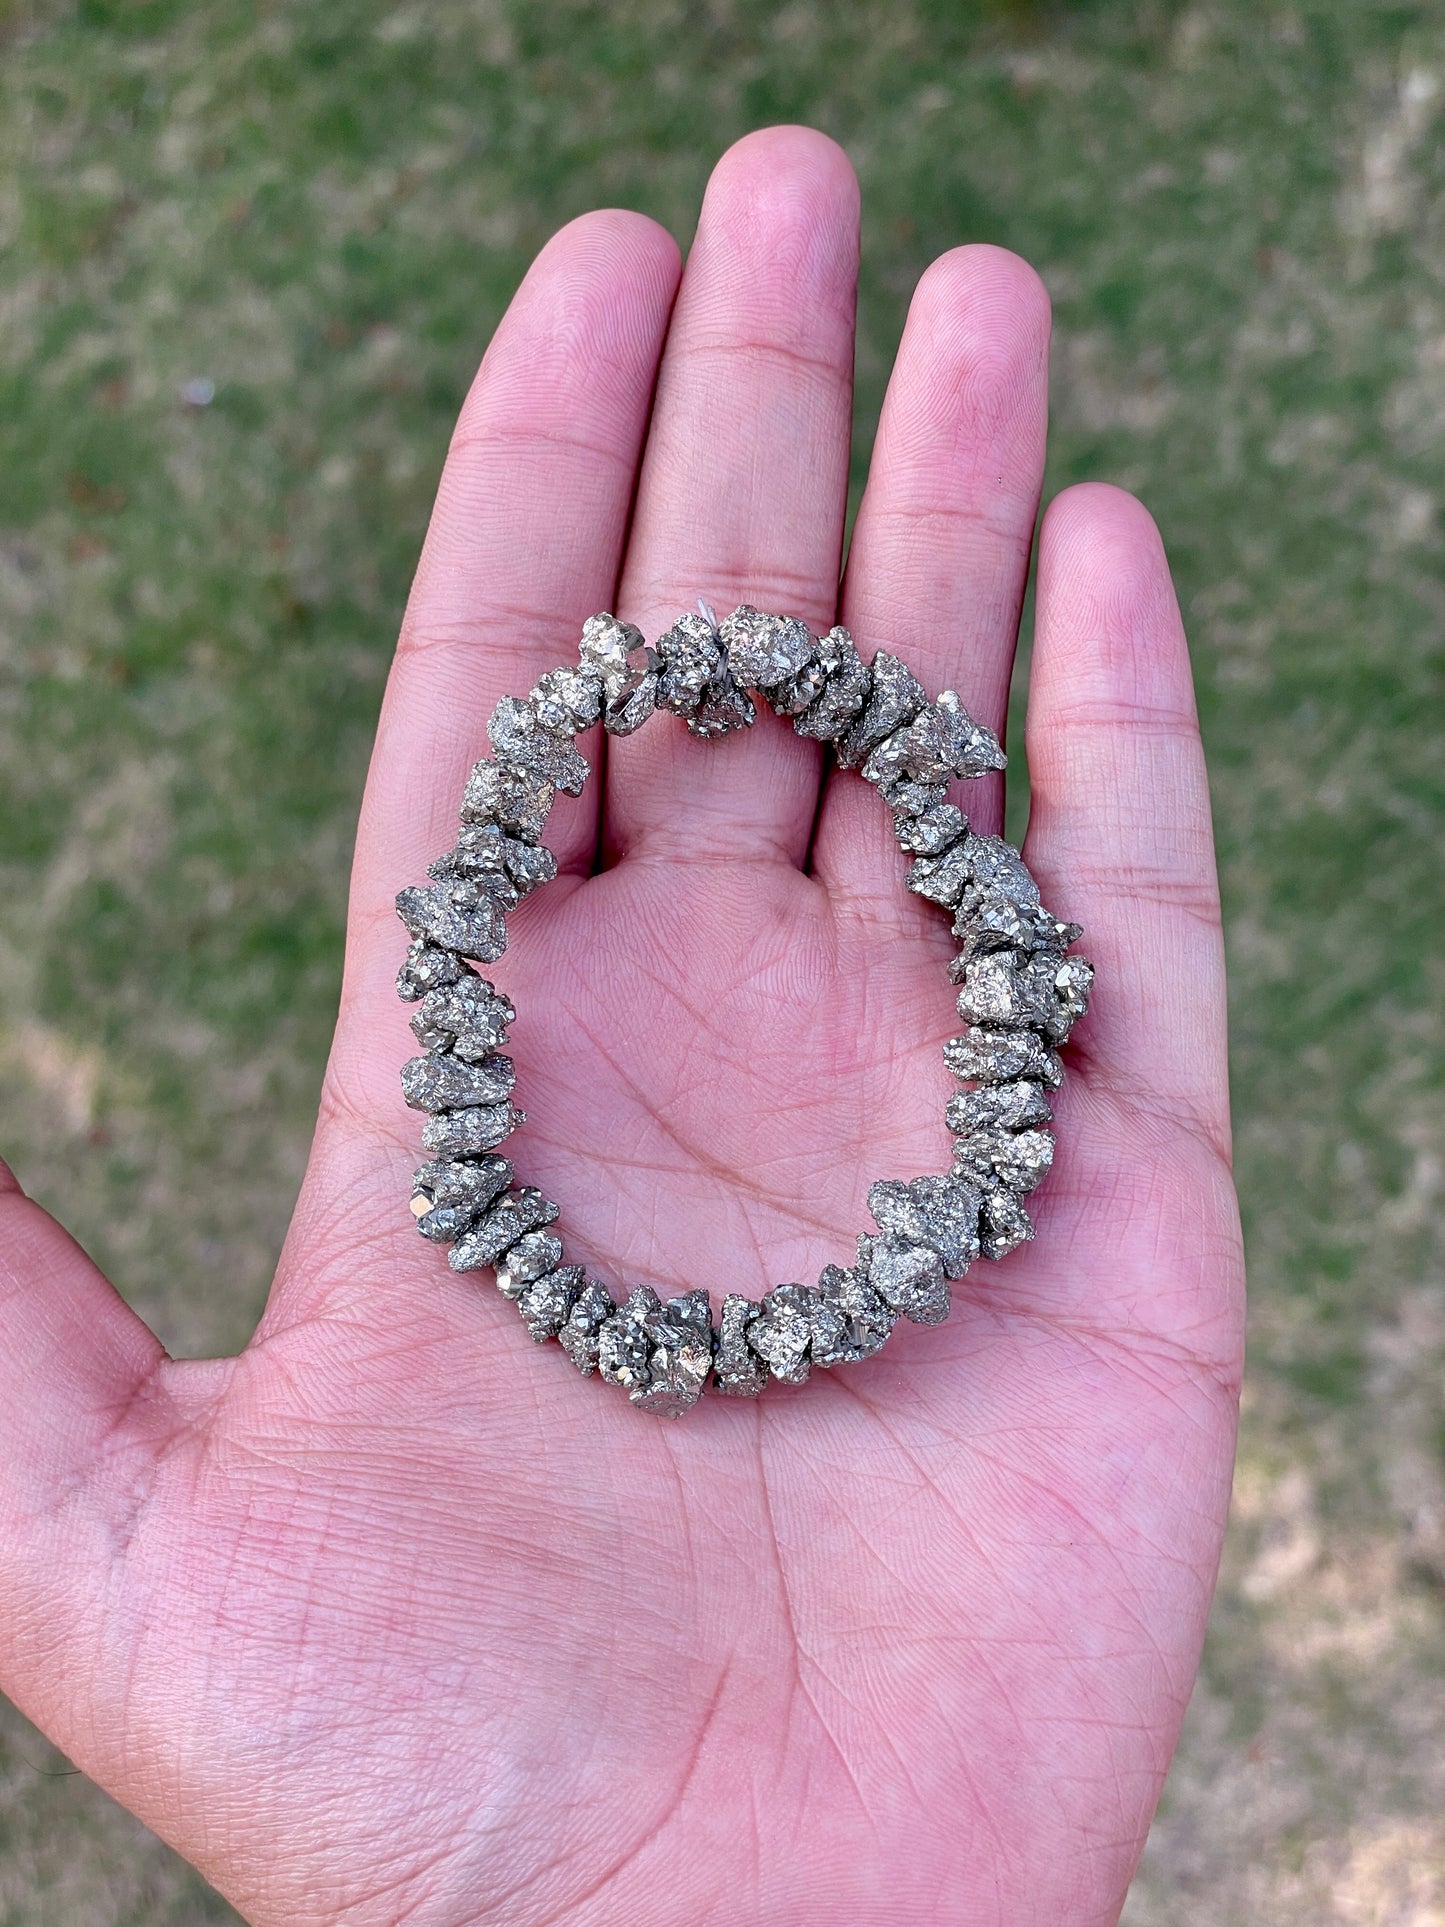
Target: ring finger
[940,554]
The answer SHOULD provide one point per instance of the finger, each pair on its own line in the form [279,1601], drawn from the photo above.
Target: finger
[526,536]
[940,553]
[744,481]
[525,542]
[75,1365]
[1120,837]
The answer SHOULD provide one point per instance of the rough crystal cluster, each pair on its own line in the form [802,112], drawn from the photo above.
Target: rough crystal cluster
[851,1320]
[546,1303]
[568,699]
[616,653]
[696,679]
[519,736]
[690,659]
[661,1353]
[782,1332]
[467,1018]
[514,800]
[765,652]
[448,1198]
[895,696]
[461,916]
[846,681]
[469,1132]
[502,1225]
[580,1335]
[737,1368]
[438,1082]
[1019,992]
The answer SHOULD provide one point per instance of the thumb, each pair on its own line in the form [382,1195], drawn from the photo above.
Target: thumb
[76,1366]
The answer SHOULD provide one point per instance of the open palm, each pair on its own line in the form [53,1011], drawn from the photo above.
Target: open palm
[395,1617]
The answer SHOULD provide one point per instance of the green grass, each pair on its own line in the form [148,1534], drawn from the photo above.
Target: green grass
[323,209]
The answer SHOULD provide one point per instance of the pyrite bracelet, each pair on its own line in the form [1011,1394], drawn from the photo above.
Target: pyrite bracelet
[1019,994]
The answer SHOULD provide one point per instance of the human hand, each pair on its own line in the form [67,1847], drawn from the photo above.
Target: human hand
[394,1617]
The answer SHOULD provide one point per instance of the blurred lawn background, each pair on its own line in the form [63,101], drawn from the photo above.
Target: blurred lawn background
[249,255]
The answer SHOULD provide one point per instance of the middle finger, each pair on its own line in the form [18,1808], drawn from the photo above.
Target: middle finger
[744,484]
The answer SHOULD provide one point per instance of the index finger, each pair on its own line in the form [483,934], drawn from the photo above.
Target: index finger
[525,542]
[526,537]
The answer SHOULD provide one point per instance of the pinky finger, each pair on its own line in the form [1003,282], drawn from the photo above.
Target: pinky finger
[1119,829]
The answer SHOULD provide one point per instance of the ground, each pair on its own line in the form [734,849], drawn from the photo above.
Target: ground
[248,256]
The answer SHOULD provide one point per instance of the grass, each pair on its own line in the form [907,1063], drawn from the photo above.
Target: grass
[322,210]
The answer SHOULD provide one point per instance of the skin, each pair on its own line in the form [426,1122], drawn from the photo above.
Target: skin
[396,1618]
